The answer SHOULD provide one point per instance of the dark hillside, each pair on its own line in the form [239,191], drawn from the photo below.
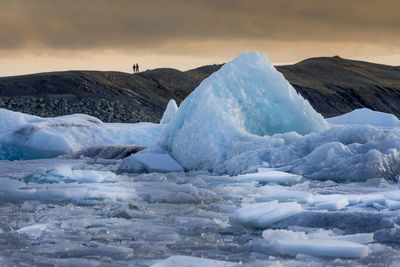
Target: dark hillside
[332,85]
[335,86]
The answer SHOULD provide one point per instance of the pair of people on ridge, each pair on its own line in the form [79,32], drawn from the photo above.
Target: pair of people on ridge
[135,68]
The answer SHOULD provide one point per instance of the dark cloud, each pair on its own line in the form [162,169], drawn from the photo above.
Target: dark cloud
[87,24]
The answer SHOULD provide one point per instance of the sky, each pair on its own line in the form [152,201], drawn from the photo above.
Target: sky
[52,35]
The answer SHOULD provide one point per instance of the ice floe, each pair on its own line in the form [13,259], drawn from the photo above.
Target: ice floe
[261,215]
[186,261]
[270,176]
[292,243]
[35,137]
[150,162]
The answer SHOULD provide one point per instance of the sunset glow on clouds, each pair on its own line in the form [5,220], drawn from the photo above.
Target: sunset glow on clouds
[52,35]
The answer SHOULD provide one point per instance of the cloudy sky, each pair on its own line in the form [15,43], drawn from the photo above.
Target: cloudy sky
[49,35]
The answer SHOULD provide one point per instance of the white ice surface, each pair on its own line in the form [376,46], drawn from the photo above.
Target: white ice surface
[336,204]
[150,162]
[282,194]
[64,173]
[271,176]
[321,247]
[321,243]
[366,116]
[170,112]
[188,261]
[26,136]
[262,215]
[34,230]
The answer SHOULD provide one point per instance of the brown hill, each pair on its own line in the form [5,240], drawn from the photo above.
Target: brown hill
[332,85]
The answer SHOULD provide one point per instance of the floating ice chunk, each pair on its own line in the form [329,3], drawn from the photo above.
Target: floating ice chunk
[394,195]
[149,162]
[318,244]
[253,212]
[321,248]
[92,176]
[284,195]
[186,261]
[271,177]
[170,112]
[262,215]
[366,116]
[247,98]
[272,235]
[333,204]
[370,199]
[362,238]
[34,230]
[9,185]
[392,204]
[378,206]
[64,173]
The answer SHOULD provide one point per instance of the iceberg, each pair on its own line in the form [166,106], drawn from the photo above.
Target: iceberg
[243,101]
[24,136]
[170,112]
[247,115]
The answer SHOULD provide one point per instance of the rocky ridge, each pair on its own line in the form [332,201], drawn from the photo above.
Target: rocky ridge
[332,85]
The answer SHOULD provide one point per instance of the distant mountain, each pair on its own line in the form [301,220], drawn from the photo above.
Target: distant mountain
[333,86]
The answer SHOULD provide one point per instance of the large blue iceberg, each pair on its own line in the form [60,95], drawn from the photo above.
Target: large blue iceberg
[247,98]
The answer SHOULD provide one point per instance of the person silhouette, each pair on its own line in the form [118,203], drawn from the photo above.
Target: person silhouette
[137,68]
[134,68]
